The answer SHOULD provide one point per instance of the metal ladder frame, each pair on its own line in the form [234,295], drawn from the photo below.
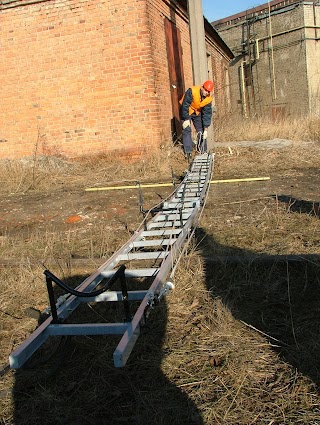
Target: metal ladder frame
[168,229]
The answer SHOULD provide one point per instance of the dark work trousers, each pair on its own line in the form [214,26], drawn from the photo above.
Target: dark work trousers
[187,136]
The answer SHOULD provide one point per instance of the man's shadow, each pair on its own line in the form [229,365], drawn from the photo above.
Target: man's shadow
[274,295]
[77,383]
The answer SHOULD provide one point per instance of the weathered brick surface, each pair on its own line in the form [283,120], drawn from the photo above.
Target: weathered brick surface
[81,77]
[286,76]
[312,18]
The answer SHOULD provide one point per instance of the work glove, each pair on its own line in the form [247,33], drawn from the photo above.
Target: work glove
[186,124]
[204,134]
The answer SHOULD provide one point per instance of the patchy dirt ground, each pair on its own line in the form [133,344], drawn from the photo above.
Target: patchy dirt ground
[70,205]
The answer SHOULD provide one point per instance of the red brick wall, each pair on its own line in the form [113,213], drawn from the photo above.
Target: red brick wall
[82,77]
[76,78]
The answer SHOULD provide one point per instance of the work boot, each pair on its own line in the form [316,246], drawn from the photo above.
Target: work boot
[188,157]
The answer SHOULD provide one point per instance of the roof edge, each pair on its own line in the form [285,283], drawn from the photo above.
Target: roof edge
[274,4]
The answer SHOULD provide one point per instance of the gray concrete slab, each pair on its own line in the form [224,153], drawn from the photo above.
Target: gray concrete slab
[266,144]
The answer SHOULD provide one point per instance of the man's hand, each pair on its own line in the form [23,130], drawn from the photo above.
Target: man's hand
[205,134]
[186,124]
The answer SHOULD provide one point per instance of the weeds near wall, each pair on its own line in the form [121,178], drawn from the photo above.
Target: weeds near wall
[298,129]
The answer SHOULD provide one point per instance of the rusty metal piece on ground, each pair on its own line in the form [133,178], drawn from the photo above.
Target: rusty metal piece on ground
[73,219]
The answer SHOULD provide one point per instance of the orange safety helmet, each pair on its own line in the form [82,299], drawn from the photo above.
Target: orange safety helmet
[208,85]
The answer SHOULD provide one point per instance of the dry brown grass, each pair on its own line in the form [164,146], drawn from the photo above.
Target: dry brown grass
[236,342]
[298,129]
[38,174]
[231,370]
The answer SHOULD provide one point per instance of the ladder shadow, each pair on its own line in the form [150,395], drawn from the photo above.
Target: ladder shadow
[77,384]
[276,295]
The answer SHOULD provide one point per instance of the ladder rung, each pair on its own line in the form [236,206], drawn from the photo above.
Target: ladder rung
[187,198]
[191,185]
[192,192]
[133,272]
[170,217]
[200,167]
[194,180]
[88,329]
[109,296]
[181,201]
[152,242]
[192,188]
[175,205]
[166,224]
[160,232]
[180,207]
[142,255]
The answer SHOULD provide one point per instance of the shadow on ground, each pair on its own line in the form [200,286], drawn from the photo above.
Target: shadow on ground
[276,296]
[299,205]
[80,386]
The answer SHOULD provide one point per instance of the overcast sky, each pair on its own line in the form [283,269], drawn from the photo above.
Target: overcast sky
[215,9]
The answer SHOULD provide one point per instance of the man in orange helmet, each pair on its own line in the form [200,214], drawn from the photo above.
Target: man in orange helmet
[196,107]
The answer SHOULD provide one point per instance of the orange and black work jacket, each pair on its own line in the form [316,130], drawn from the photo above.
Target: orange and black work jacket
[191,103]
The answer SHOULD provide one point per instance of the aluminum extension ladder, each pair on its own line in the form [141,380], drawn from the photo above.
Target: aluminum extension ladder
[152,253]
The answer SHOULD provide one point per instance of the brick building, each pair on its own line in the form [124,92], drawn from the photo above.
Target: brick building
[276,71]
[82,77]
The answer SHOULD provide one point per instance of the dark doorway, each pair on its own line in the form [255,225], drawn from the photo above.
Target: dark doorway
[174,52]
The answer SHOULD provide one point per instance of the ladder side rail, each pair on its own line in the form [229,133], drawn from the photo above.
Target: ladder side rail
[180,187]
[126,344]
[24,351]
[28,347]
[121,354]
[206,184]
[38,337]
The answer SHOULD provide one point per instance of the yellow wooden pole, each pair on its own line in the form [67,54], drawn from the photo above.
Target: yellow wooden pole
[249,179]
